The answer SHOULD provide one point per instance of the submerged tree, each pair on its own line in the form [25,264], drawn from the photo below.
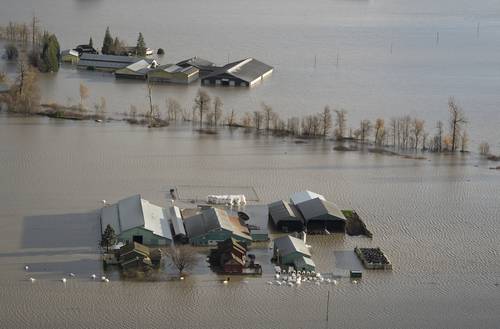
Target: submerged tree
[217,110]
[182,258]
[457,122]
[108,238]
[50,53]
[340,123]
[84,94]
[11,51]
[201,104]
[326,121]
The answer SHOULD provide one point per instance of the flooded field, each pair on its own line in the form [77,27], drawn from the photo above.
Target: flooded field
[436,219]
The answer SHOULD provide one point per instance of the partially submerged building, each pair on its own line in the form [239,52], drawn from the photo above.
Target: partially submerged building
[172,73]
[108,63]
[243,73]
[134,256]
[70,56]
[136,220]
[292,251]
[302,196]
[215,225]
[320,215]
[85,49]
[286,217]
[204,66]
[230,257]
[138,70]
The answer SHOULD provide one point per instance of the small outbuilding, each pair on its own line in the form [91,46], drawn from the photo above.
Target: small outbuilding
[70,56]
[320,215]
[285,217]
[288,249]
[134,256]
[304,264]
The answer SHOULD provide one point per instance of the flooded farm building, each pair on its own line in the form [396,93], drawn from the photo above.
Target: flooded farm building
[320,215]
[286,217]
[243,73]
[109,63]
[136,220]
[292,251]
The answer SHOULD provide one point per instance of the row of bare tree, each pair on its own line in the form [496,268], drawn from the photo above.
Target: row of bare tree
[22,32]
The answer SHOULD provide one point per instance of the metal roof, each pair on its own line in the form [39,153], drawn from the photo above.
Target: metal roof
[282,210]
[289,244]
[177,222]
[301,262]
[248,70]
[139,66]
[211,219]
[135,212]
[196,62]
[70,52]
[109,58]
[317,207]
[302,196]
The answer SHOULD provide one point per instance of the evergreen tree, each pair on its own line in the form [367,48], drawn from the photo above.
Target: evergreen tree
[108,238]
[107,44]
[91,43]
[50,53]
[141,46]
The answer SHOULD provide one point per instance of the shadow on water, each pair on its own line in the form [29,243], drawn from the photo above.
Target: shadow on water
[65,231]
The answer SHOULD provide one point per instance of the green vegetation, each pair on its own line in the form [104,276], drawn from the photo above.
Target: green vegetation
[141,46]
[51,53]
[108,238]
[107,44]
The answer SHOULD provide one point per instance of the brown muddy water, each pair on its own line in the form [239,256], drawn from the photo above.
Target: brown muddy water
[437,220]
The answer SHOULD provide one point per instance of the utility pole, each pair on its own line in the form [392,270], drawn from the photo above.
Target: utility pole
[327,307]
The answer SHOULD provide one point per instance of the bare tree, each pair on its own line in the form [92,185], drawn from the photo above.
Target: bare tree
[365,127]
[379,131]
[173,109]
[217,110]
[182,258]
[257,119]
[484,149]
[293,125]
[393,127]
[340,123]
[25,95]
[268,115]
[84,94]
[439,136]
[326,120]
[231,119]
[464,141]
[418,129]
[457,121]
[201,104]
[246,121]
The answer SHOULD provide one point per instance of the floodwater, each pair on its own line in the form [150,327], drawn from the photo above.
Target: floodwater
[373,58]
[437,220]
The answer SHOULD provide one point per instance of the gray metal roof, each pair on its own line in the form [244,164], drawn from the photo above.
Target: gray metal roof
[176,219]
[174,68]
[302,196]
[289,244]
[248,70]
[109,58]
[301,262]
[208,220]
[135,212]
[314,208]
[196,62]
[282,210]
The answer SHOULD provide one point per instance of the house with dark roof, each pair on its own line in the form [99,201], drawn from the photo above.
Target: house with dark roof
[108,63]
[136,220]
[320,215]
[285,217]
[214,225]
[242,73]
[289,250]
